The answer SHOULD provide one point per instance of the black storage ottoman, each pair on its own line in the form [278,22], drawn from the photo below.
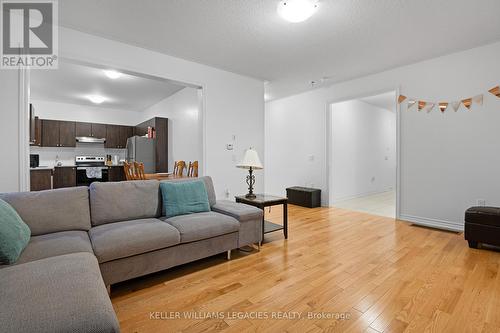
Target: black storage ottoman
[304,196]
[482,225]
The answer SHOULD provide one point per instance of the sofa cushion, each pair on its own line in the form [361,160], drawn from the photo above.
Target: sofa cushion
[14,234]
[59,294]
[124,239]
[483,215]
[52,210]
[194,227]
[209,186]
[239,211]
[183,198]
[58,243]
[122,201]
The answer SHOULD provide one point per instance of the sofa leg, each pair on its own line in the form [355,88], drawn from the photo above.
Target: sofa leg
[108,288]
[229,255]
[473,244]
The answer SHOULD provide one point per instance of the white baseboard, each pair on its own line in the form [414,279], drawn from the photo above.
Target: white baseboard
[357,196]
[433,223]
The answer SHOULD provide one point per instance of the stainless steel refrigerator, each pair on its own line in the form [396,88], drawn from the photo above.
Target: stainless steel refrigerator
[141,149]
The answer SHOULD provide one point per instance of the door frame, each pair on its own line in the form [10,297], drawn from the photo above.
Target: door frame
[24,97]
[329,141]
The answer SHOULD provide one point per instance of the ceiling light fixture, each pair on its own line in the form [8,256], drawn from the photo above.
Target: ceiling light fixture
[112,74]
[96,99]
[297,10]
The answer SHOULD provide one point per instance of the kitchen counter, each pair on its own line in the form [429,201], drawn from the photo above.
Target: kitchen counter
[42,168]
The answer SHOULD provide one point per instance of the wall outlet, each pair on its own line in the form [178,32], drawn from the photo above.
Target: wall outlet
[229,146]
[227,193]
[481,202]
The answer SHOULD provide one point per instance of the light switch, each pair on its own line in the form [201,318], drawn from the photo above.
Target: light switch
[229,146]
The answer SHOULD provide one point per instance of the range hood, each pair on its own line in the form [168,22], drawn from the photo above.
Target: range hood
[89,139]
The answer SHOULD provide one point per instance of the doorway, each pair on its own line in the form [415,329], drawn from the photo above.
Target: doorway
[363,149]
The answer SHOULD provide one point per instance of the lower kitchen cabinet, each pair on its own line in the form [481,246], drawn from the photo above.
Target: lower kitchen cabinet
[40,180]
[64,177]
[116,173]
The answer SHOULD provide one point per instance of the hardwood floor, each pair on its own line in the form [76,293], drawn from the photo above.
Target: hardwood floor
[385,276]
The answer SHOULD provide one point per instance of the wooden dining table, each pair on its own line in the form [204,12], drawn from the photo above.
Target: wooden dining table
[162,176]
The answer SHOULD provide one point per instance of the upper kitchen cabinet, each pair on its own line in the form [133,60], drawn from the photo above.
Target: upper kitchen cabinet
[112,136]
[58,133]
[116,136]
[90,130]
[125,133]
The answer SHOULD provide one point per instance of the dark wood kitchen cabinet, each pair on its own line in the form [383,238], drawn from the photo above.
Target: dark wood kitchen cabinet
[36,140]
[56,133]
[116,136]
[99,131]
[91,130]
[64,177]
[116,173]
[125,133]
[40,180]
[83,129]
[112,136]
[67,134]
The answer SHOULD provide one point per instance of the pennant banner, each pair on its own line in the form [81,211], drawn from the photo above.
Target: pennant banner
[443,106]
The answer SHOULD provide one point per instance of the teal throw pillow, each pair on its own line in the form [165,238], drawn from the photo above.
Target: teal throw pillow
[186,197]
[14,234]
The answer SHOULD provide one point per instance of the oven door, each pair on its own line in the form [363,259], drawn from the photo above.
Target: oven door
[83,180]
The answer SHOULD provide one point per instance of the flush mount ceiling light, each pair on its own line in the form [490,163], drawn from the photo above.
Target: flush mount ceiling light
[112,74]
[297,10]
[96,99]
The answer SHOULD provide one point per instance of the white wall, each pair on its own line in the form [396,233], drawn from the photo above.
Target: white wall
[234,104]
[448,161]
[184,125]
[9,131]
[84,113]
[363,150]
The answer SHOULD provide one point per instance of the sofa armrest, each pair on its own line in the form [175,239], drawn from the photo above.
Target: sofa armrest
[239,211]
[250,219]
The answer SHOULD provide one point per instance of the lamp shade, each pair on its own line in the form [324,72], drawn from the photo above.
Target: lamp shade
[250,160]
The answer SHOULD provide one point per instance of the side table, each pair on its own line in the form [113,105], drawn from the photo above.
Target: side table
[262,201]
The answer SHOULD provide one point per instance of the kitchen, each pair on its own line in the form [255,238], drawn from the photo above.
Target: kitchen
[85,123]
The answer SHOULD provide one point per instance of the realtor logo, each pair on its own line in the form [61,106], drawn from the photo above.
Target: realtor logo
[29,34]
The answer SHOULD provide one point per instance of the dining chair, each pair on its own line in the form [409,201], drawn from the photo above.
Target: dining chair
[129,171]
[139,171]
[179,167]
[193,169]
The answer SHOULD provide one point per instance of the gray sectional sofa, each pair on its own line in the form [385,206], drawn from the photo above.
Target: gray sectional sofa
[86,239]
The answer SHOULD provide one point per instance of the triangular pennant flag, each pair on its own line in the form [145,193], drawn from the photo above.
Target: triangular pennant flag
[430,106]
[421,105]
[401,98]
[411,103]
[495,91]
[467,102]
[478,99]
[455,106]
[443,106]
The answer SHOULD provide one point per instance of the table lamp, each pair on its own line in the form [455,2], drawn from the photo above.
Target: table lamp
[251,161]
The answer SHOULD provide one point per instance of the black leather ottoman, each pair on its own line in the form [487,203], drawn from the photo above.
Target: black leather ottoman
[482,225]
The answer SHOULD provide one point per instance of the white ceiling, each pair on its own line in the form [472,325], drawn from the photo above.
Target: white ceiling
[343,40]
[385,101]
[71,83]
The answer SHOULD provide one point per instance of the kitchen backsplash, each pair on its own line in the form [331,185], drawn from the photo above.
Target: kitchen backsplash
[67,155]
